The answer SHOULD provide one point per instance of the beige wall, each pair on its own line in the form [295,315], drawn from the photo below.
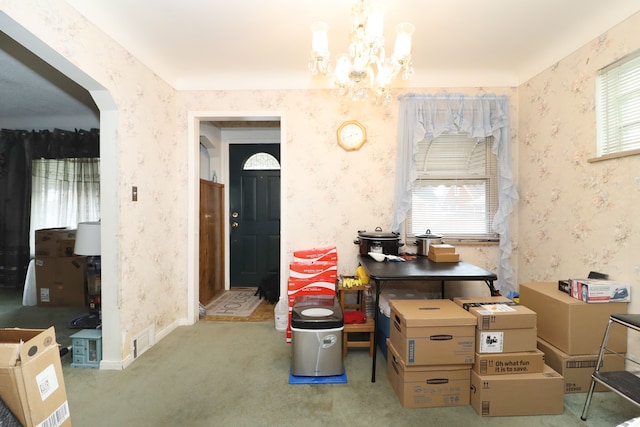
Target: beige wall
[330,193]
[147,292]
[574,216]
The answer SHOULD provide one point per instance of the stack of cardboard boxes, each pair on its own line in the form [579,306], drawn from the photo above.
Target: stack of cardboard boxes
[508,368]
[60,275]
[443,253]
[430,352]
[311,272]
[570,333]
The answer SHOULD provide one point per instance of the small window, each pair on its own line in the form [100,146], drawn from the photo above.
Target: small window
[456,193]
[618,106]
[261,161]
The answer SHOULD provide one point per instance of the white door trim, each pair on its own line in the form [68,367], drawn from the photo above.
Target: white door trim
[193,197]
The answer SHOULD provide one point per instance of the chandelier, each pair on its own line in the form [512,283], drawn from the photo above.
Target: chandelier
[365,72]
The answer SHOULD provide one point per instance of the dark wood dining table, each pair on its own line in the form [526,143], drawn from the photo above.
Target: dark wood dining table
[419,269]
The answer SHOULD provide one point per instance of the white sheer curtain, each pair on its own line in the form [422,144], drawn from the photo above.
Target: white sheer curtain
[64,192]
[429,116]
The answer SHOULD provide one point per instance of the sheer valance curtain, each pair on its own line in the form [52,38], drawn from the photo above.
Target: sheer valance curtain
[429,116]
[64,192]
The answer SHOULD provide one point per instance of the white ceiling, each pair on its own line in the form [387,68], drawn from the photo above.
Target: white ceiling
[251,44]
[246,44]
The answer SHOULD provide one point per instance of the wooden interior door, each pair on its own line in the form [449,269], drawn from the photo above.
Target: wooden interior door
[211,240]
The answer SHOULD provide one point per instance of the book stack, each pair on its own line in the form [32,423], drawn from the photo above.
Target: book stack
[443,253]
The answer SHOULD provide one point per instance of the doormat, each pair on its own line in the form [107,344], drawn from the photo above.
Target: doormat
[234,303]
[331,379]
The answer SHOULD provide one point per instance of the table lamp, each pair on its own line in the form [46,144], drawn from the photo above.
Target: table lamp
[88,244]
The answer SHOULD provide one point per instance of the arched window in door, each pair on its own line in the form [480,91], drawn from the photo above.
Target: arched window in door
[261,161]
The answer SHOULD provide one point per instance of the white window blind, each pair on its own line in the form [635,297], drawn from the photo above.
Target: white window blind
[618,106]
[455,194]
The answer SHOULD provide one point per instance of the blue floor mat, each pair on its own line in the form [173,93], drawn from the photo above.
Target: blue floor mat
[333,379]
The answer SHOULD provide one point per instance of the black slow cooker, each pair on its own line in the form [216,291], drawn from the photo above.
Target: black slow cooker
[378,241]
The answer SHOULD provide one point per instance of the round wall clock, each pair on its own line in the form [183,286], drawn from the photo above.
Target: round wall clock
[351,135]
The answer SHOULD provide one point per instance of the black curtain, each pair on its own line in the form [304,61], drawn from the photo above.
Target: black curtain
[17,149]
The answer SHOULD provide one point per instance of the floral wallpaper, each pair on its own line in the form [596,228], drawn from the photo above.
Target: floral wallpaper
[332,193]
[576,216]
[149,293]
[573,217]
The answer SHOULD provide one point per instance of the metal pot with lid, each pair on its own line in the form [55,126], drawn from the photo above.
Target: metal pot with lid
[424,240]
[378,241]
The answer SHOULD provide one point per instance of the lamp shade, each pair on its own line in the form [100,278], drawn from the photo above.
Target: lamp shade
[88,239]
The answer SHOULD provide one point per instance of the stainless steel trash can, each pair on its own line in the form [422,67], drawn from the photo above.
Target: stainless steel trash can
[317,325]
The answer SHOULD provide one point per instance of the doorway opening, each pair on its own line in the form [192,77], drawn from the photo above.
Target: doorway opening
[111,342]
[221,130]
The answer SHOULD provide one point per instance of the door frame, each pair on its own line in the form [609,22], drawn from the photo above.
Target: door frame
[112,343]
[193,197]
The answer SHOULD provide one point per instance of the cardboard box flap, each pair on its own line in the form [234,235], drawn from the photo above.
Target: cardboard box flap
[414,313]
[18,346]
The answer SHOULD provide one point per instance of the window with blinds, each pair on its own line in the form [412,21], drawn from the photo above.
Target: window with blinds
[456,193]
[618,106]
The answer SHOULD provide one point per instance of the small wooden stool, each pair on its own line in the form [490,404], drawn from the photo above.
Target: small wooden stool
[352,328]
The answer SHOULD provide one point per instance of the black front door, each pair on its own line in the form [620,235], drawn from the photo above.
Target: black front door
[254,209]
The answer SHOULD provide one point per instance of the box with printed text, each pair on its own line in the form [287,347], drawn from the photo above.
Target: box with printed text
[31,381]
[427,386]
[432,332]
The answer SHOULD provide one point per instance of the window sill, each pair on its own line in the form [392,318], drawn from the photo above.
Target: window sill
[470,242]
[614,156]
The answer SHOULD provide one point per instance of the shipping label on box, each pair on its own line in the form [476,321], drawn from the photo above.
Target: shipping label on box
[506,341]
[524,362]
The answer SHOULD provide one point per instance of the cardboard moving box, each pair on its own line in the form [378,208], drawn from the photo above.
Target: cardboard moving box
[524,362]
[31,381]
[569,324]
[518,394]
[61,281]
[432,332]
[55,242]
[427,386]
[502,316]
[577,370]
